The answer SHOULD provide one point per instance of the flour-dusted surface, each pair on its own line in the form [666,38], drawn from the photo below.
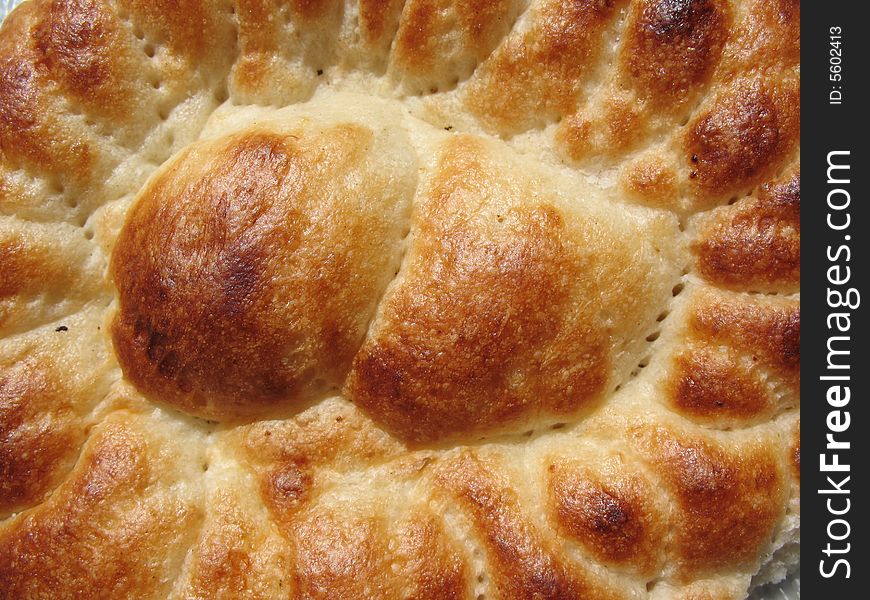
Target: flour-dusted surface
[498,257]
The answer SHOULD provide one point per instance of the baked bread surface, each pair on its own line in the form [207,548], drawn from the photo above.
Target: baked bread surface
[399,299]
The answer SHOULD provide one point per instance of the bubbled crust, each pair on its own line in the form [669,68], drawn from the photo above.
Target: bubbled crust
[378,539]
[611,509]
[442,41]
[729,499]
[50,381]
[236,553]
[393,249]
[522,562]
[35,130]
[754,245]
[536,75]
[247,276]
[672,48]
[352,557]
[46,272]
[750,127]
[494,322]
[289,458]
[744,136]
[132,489]
[665,60]
[738,362]
[87,86]
[744,130]
[270,50]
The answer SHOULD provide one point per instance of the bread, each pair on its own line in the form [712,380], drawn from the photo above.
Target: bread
[399,299]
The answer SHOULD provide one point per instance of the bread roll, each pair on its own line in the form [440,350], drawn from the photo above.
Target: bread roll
[399,298]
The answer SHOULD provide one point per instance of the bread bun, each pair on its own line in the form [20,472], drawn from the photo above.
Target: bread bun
[399,298]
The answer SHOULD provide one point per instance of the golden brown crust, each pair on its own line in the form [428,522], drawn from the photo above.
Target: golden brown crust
[728,498]
[49,382]
[611,510]
[224,567]
[27,125]
[237,555]
[370,546]
[740,124]
[379,19]
[33,459]
[526,260]
[273,37]
[672,47]
[440,42]
[46,272]
[353,559]
[750,127]
[651,181]
[180,35]
[746,134]
[755,244]
[119,496]
[536,75]
[708,385]
[455,280]
[247,278]
[739,363]
[289,457]
[767,38]
[768,330]
[521,562]
[82,87]
[79,49]
[665,61]
[494,321]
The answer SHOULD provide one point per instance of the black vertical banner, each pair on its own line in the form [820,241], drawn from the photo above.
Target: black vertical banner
[835,425]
